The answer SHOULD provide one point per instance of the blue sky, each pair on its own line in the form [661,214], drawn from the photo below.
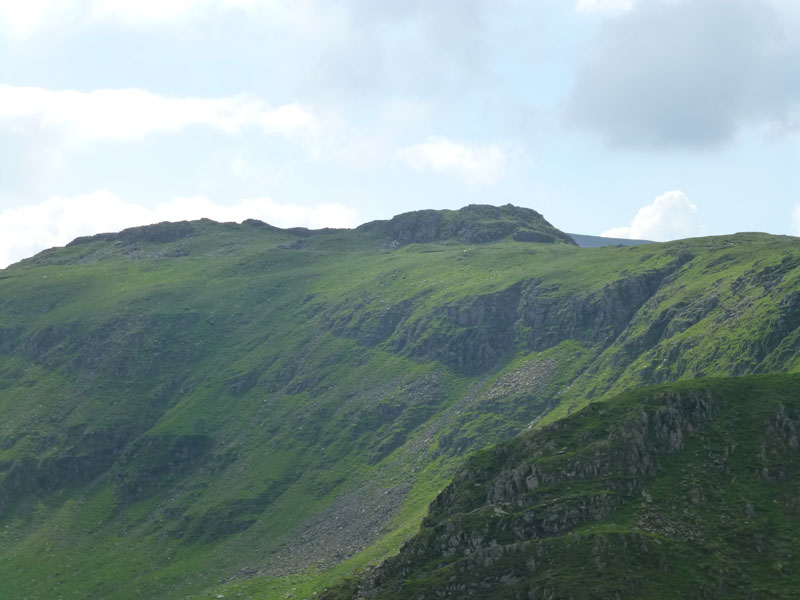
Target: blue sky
[659,119]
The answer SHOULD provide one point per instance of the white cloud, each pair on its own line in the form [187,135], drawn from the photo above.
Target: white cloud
[353,47]
[688,73]
[617,7]
[56,221]
[472,163]
[371,142]
[613,6]
[56,123]
[143,12]
[130,114]
[671,216]
[24,18]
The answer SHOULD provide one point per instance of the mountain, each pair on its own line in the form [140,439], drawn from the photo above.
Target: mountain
[199,409]
[686,490]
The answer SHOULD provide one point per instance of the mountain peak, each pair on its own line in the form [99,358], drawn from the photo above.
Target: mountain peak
[473,224]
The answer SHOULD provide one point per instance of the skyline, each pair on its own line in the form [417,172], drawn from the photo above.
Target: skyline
[654,119]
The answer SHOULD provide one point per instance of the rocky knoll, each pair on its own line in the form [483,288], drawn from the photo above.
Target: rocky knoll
[474,224]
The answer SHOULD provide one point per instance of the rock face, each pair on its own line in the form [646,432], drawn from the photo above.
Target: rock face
[478,333]
[161,233]
[471,336]
[474,224]
[655,494]
[81,456]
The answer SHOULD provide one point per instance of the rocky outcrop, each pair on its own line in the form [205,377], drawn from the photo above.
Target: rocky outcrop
[518,519]
[471,336]
[152,462]
[82,455]
[598,317]
[474,224]
[368,322]
[478,333]
[161,233]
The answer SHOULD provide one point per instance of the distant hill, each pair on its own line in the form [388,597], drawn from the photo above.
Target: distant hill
[200,409]
[596,241]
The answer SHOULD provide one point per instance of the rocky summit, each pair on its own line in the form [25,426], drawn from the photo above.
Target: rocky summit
[445,404]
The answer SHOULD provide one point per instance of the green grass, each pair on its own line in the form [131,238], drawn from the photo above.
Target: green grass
[296,370]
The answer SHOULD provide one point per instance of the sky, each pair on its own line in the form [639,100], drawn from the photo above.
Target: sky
[654,119]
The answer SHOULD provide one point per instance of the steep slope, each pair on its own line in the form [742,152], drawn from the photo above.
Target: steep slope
[682,491]
[196,403]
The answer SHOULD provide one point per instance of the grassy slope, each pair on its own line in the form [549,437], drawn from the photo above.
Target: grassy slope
[171,411]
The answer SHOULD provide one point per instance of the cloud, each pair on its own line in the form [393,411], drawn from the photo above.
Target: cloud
[671,216]
[406,48]
[352,47]
[23,19]
[52,121]
[56,221]
[472,163]
[688,73]
[149,12]
[796,220]
[131,114]
[612,6]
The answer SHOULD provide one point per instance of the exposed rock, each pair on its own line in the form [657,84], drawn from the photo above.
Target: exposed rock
[150,461]
[335,534]
[83,456]
[258,224]
[471,337]
[474,224]
[476,334]
[161,233]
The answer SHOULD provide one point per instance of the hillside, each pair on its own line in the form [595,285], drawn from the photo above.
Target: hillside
[682,491]
[207,408]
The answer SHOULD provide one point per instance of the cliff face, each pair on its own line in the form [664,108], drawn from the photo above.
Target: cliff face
[691,313]
[479,333]
[681,491]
